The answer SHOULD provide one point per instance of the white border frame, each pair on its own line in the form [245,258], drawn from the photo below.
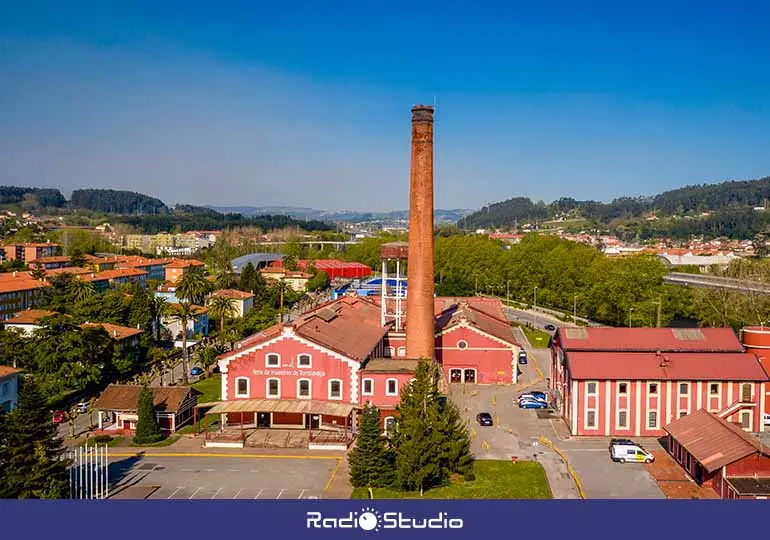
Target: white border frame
[309,388]
[267,388]
[248,387]
[387,387]
[267,360]
[363,387]
[329,388]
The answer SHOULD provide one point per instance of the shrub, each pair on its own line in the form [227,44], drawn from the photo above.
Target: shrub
[100,439]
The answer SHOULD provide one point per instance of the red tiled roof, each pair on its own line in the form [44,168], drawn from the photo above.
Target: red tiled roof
[116,332]
[179,263]
[676,366]
[713,442]
[8,370]
[113,274]
[648,339]
[232,293]
[21,284]
[125,397]
[481,320]
[29,316]
[54,259]
[74,270]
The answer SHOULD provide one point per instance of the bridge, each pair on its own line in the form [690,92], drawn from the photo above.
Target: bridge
[308,242]
[716,282]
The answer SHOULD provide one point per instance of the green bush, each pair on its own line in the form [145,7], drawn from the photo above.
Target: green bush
[100,439]
[469,476]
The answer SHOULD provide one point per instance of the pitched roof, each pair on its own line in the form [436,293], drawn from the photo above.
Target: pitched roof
[464,313]
[232,293]
[648,339]
[391,365]
[124,397]
[712,441]
[113,274]
[184,263]
[74,270]
[116,332]
[5,371]
[21,284]
[676,366]
[54,259]
[29,316]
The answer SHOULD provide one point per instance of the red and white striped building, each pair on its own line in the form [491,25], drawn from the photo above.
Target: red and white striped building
[634,381]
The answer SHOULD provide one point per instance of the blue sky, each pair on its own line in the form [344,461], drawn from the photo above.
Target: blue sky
[307,103]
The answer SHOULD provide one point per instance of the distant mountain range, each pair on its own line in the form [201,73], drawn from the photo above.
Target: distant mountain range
[349,216]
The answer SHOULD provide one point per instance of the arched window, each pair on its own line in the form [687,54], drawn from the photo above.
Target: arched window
[304,361]
[273,360]
[335,389]
[273,388]
[304,389]
[389,424]
[402,351]
[242,387]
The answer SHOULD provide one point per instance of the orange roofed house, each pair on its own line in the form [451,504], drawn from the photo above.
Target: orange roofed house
[117,407]
[30,251]
[176,269]
[19,291]
[242,301]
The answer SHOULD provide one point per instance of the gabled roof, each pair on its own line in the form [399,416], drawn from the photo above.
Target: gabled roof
[124,397]
[713,442]
[6,371]
[112,274]
[391,365]
[648,339]
[53,259]
[232,293]
[669,366]
[116,332]
[29,316]
[464,313]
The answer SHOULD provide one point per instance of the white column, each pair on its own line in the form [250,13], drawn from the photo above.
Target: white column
[607,406]
[638,408]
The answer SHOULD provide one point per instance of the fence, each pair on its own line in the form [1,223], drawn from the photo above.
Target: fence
[89,476]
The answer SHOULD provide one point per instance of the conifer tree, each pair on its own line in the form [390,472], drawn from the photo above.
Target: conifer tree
[147,428]
[31,464]
[456,442]
[371,461]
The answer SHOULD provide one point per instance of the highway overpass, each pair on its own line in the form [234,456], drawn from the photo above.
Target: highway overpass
[716,282]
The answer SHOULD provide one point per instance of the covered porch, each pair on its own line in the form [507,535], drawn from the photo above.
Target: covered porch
[273,423]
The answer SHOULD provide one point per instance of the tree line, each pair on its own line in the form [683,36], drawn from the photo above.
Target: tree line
[43,196]
[114,201]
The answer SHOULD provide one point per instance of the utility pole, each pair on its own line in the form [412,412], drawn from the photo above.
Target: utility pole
[574,309]
[508,290]
[630,312]
[535,302]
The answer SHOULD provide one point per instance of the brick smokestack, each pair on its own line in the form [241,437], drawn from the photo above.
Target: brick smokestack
[419,299]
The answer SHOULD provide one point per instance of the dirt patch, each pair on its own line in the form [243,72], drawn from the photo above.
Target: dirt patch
[673,481]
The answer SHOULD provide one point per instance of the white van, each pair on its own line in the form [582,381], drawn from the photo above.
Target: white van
[626,451]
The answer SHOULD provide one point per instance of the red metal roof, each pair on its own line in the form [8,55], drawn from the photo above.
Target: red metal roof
[713,442]
[483,321]
[676,366]
[648,339]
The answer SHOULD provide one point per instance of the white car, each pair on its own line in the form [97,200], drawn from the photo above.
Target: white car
[766,418]
[627,451]
[81,407]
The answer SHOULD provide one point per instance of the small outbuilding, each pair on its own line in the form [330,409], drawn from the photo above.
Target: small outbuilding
[117,407]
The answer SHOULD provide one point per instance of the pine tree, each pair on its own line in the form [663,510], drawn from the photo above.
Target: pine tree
[371,461]
[147,428]
[417,439]
[31,464]
[456,442]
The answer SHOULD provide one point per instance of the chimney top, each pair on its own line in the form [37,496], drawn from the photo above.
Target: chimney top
[422,114]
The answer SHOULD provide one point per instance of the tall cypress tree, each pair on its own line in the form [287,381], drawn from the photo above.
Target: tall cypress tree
[455,441]
[371,461]
[147,428]
[31,464]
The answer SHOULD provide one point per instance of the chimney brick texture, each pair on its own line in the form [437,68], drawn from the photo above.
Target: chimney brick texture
[419,301]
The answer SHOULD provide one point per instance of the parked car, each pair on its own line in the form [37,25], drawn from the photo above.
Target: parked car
[766,419]
[522,356]
[196,371]
[550,327]
[484,419]
[82,407]
[532,404]
[535,395]
[627,451]
[58,417]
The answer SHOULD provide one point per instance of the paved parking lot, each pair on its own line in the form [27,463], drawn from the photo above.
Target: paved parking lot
[219,477]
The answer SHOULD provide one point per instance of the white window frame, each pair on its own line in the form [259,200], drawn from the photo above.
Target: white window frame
[627,389]
[387,352]
[657,389]
[596,419]
[401,352]
[338,398]
[596,388]
[617,419]
[385,424]
[679,389]
[657,419]
[310,360]
[462,344]
[717,393]
[387,387]
[248,387]
[309,388]
[267,359]
[267,388]
[363,387]
[751,391]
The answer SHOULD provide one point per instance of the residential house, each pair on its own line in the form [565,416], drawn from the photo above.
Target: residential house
[30,251]
[9,388]
[27,320]
[127,338]
[117,407]
[49,263]
[176,269]
[242,301]
[114,278]
[19,291]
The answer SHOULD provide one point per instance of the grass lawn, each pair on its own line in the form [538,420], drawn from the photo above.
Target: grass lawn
[209,388]
[537,338]
[494,480]
[168,441]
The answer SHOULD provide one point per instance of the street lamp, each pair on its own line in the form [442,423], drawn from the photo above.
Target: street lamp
[630,311]
[574,309]
[535,303]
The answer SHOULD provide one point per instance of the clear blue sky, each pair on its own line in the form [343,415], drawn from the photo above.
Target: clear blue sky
[307,103]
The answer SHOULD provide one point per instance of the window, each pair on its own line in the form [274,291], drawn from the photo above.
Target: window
[273,388]
[714,389]
[622,388]
[746,420]
[389,424]
[391,387]
[622,419]
[652,389]
[745,392]
[303,360]
[682,414]
[335,389]
[303,388]
[388,352]
[590,419]
[684,388]
[402,351]
[367,387]
[462,344]
[591,388]
[241,387]
[652,419]
[273,360]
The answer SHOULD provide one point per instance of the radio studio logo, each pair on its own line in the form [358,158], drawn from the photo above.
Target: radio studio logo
[369,519]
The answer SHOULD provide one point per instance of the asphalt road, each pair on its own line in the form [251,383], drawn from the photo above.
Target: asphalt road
[533,318]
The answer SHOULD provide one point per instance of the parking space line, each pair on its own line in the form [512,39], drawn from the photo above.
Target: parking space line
[194,492]
[174,493]
[301,493]
[209,470]
[280,493]
[217,493]
[260,493]
[236,495]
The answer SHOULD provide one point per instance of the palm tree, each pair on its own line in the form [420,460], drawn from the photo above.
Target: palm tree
[184,313]
[81,290]
[283,288]
[221,308]
[225,279]
[193,287]
[158,309]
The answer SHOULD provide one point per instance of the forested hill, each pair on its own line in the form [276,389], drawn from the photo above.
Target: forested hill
[37,196]
[117,202]
[731,203]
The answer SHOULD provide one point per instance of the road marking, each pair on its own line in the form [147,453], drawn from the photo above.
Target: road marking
[217,493]
[233,470]
[280,493]
[255,470]
[334,473]
[187,470]
[236,495]
[209,470]
[194,492]
[301,493]
[260,493]
[174,493]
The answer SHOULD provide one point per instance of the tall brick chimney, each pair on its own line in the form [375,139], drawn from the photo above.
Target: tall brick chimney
[419,299]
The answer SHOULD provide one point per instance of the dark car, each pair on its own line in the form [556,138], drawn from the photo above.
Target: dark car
[484,419]
[196,371]
[550,327]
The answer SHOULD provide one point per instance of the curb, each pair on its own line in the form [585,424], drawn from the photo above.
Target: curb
[546,441]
